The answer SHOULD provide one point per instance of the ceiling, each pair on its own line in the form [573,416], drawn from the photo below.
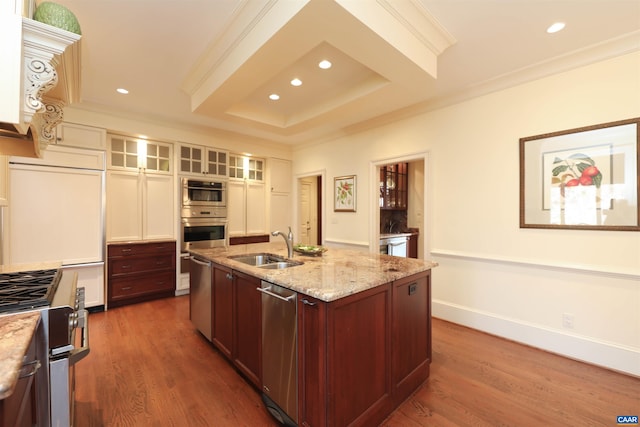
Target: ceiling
[213,63]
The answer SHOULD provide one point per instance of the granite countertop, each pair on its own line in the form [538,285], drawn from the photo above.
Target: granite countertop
[12,268]
[334,275]
[16,332]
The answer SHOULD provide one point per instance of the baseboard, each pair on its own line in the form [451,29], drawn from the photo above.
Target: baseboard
[604,354]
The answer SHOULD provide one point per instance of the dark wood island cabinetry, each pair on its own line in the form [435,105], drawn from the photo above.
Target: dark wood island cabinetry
[363,328]
[361,356]
[237,325]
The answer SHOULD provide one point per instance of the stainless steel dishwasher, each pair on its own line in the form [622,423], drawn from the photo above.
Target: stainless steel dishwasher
[200,295]
[279,352]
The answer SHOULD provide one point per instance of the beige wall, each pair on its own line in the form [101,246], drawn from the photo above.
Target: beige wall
[493,275]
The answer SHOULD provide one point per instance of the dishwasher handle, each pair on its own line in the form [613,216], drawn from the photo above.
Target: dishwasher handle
[267,291]
[200,262]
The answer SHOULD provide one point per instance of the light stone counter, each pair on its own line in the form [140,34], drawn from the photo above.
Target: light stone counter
[12,268]
[16,332]
[334,275]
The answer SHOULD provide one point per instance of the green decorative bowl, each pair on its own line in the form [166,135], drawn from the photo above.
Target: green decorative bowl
[58,16]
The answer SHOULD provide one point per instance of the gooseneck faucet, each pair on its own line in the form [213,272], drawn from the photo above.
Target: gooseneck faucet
[288,240]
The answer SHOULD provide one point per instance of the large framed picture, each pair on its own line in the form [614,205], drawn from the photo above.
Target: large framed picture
[585,178]
[344,193]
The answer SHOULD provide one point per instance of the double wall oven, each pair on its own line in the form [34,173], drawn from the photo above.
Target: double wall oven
[204,221]
[64,340]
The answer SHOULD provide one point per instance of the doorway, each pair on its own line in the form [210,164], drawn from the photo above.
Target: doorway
[392,219]
[310,210]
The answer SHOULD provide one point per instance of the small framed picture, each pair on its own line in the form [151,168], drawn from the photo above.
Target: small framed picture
[344,193]
[585,178]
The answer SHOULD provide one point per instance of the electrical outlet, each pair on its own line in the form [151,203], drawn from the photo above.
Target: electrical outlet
[567,320]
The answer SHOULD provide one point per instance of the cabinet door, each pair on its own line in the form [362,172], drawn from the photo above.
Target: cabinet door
[280,175]
[412,332]
[248,327]
[359,387]
[312,361]
[256,208]
[81,136]
[222,296]
[191,160]
[124,206]
[236,208]
[216,163]
[158,202]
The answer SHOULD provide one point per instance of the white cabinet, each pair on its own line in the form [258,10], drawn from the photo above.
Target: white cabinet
[81,136]
[4,180]
[140,190]
[134,154]
[140,206]
[280,175]
[246,208]
[91,278]
[199,160]
[280,195]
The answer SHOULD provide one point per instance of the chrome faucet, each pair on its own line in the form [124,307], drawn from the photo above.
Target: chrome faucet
[288,240]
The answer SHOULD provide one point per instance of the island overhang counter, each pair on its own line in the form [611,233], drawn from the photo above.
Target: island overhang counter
[363,328]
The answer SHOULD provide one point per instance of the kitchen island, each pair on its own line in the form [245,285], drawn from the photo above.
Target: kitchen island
[363,328]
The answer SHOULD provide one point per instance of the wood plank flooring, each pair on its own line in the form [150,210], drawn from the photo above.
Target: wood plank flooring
[149,367]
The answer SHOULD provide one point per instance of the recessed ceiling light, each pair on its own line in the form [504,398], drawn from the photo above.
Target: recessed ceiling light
[274,97]
[296,82]
[324,64]
[122,91]
[554,28]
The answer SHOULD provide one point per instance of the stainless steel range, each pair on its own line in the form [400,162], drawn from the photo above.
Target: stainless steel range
[52,292]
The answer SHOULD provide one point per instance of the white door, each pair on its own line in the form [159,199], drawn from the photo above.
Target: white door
[305,212]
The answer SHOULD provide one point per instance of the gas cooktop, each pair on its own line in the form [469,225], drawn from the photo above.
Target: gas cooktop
[26,290]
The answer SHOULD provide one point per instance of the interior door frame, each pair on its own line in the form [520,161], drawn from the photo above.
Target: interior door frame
[374,190]
[321,205]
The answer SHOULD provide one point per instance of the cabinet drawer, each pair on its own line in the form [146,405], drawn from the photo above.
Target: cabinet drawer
[132,287]
[133,249]
[128,265]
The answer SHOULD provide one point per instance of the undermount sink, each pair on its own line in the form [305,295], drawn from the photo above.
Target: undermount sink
[266,260]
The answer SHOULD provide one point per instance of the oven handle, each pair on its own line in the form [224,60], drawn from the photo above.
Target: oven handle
[78,354]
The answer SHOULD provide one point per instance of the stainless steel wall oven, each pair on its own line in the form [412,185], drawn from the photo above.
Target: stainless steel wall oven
[203,193]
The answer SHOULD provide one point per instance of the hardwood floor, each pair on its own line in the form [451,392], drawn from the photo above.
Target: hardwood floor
[149,367]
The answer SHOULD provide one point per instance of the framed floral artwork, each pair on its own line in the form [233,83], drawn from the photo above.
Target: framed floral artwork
[585,178]
[344,193]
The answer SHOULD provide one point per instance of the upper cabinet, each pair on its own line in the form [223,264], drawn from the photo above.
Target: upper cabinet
[140,190]
[393,186]
[81,136]
[246,167]
[140,154]
[199,160]
[246,202]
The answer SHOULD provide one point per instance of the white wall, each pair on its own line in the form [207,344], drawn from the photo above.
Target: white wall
[494,276]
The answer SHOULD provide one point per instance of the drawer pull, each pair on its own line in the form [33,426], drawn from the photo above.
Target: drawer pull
[126,266]
[126,250]
[126,288]
[307,302]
